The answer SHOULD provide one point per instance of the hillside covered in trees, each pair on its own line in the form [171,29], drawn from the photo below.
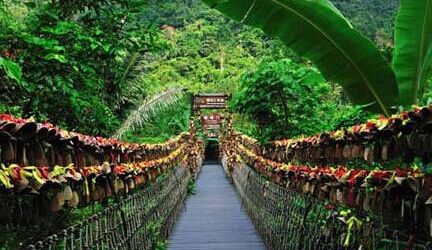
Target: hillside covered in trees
[86,66]
[322,121]
[373,18]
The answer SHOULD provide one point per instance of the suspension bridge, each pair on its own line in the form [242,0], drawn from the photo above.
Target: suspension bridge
[229,193]
[214,218]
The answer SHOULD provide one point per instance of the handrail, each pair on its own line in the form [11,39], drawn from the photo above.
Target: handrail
[44,169]
[141,221]
[287,219]
[368,168]
[399,138]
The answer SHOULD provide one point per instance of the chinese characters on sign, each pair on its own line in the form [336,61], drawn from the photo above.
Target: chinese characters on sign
[211,119]
[211,134]
[212,123]
[209,101]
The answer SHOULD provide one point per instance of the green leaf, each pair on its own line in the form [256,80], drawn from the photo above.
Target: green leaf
[58,48]
[12,69]
[41,42]
[56,57]
[63,28]
[427,67]
[413,38]
[94,46]
[332,7]
[106,47]
[317,32]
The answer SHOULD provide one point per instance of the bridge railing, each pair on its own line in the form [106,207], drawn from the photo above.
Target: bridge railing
[140,221]
[47,174]
[368,186]
[287,219]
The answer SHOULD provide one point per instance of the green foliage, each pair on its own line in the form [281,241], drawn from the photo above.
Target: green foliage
[86,65]
[74,57]
[154,228]
[362,69]
[314,29]
[11,69]
[162,245]
[170,121]
[287,99]
[9,109]
[150,107]
[191,187]
[245,124]
[427,97]
[207,52]
[373,18]
[413,53]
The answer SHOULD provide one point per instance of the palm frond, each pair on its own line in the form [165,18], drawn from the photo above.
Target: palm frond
[136,67]
[149,108]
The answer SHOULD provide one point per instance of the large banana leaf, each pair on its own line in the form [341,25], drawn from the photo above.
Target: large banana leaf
[413,38]
[316,30]
[427,69]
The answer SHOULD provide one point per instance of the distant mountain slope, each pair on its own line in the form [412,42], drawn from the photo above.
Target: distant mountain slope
[375,18]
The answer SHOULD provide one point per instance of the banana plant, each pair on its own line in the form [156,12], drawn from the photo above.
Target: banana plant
[413,49]
[318,31]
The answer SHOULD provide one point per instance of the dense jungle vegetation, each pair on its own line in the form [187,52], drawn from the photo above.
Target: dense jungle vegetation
[128,68]
[85,65]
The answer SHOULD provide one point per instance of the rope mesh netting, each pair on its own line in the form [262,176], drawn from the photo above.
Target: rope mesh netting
[288,219]
[140,221]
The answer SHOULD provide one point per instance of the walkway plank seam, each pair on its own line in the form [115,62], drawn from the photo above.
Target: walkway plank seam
[213,218]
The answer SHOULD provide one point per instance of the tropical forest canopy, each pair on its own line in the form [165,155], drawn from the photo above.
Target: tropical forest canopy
[87,65]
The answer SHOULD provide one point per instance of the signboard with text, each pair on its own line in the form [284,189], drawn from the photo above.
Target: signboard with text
[209,101]
[211,124]
[212,119]
[211,134]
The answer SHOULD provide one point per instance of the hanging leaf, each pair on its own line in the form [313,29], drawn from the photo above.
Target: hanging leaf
[413,38]
[315,30]
[12,69]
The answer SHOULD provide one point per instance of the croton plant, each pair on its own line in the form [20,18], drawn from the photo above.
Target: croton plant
[381,166]
[36,157]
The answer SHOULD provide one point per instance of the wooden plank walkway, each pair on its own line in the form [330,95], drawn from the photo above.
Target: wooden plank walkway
[213,218]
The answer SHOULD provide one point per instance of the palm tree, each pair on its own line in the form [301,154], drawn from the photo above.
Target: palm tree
[148,108]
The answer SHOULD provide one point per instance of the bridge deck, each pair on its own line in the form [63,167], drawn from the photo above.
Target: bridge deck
[213,218]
